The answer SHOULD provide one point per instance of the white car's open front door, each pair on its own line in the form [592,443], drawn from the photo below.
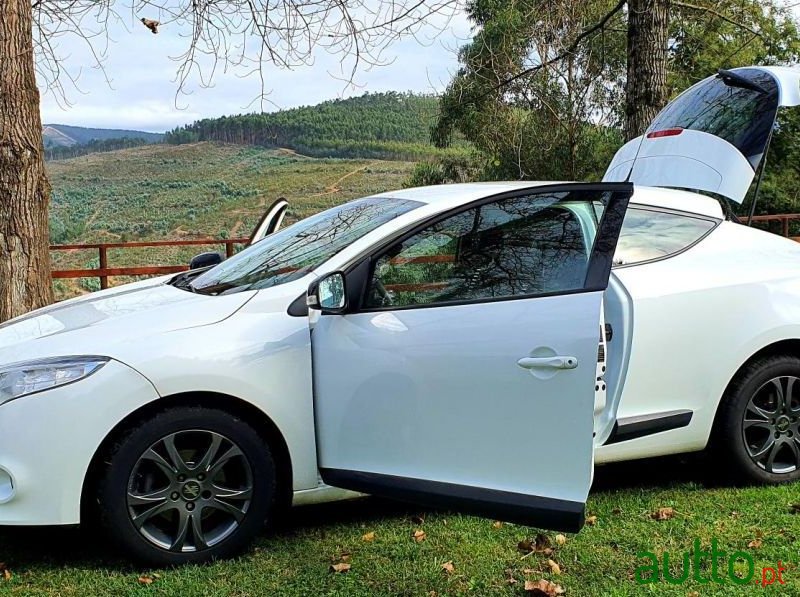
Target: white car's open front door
[462,371]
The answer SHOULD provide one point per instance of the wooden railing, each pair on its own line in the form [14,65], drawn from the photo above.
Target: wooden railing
[104,271]
[784,219]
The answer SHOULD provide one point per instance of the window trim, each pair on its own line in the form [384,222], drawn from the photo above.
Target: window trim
[598,260]
[674,212]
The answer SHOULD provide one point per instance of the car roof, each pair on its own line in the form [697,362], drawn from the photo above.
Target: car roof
[453,195]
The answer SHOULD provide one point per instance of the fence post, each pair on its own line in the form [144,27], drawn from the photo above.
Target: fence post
[103,266]
[785,226]
[228,249]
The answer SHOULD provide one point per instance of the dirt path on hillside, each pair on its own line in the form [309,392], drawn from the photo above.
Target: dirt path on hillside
[334,188]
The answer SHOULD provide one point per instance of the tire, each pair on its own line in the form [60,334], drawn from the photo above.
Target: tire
[757,433]
[188,485]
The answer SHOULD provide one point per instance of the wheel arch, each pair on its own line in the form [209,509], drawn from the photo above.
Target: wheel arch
[254,416]
[789,346]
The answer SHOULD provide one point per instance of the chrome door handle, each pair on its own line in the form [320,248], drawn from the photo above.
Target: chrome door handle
[557,362]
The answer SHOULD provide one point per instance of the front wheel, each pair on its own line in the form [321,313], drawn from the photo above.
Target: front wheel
[189,485]
[759,422]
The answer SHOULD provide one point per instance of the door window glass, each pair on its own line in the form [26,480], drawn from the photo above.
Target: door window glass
[520,246]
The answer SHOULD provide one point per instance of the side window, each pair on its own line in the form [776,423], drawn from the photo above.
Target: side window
[520,246]
[648,235]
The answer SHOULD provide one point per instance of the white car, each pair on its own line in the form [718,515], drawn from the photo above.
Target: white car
[478,347]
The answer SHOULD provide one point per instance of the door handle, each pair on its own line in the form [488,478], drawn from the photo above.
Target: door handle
[556,362]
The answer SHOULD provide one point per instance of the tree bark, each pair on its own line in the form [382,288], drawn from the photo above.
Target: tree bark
[25,282]
[646,86]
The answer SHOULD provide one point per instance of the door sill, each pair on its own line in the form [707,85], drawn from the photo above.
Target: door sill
[629,428]
[531,510]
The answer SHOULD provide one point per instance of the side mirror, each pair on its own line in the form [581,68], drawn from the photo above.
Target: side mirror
[205,260]
[328,294]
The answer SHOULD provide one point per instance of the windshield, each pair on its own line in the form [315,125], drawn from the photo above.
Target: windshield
[297,250]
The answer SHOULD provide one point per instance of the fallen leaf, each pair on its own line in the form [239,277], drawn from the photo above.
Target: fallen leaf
[528,571]
[554,567]
[448,567]
[540,544]
[693,594]
[497,524]
[544,588]
[755,544]
[418,536]
[561,539]
[340,567]
[663,514]
[6,574]
[146,580]
[591,520]
[368,537]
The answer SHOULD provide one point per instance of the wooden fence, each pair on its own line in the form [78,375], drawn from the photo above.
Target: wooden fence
[104,271]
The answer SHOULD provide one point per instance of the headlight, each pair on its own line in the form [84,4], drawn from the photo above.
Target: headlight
[22,379]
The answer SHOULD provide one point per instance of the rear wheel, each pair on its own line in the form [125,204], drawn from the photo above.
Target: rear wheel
[759,422]
[189,485]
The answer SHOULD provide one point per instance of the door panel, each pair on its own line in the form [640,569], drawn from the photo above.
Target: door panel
[469,380]
[271,221]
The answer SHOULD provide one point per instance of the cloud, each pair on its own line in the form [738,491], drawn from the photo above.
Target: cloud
[141,88]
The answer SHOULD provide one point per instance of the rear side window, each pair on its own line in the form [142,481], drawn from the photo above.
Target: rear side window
[648,234]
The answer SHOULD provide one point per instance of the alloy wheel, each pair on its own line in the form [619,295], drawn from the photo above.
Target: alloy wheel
[190,490]
[771,425]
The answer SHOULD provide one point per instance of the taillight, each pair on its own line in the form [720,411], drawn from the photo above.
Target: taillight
[665,133]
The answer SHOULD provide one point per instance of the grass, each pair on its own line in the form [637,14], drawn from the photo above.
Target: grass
[600,560]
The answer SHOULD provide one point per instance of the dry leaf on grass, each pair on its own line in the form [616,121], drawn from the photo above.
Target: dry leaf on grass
[663,514]
[340,567]
[5,573]
[560,539]
[554,567]
[418,536]
[497,524]
[368,537]
[755,544]
[448,567]
[540,544]
[146,579]
[544,588]
[591,520]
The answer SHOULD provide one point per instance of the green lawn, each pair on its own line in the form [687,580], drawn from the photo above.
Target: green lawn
[485,556]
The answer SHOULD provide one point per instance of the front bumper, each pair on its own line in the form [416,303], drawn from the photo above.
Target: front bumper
[47,441]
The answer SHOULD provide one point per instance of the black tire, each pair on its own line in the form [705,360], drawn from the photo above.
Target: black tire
[130,466]
[741,435]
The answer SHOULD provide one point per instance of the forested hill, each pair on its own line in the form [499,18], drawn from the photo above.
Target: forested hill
[372,125]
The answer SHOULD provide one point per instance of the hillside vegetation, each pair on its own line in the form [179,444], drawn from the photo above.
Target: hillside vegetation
[380,125]
[63,134]
[199,190]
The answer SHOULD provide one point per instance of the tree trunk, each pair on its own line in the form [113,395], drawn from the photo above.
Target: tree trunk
[24,190]
[646,86]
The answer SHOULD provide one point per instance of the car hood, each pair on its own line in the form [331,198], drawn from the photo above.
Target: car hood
[95,323]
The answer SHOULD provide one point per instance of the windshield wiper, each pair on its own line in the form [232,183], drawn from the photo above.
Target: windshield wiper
[732,79]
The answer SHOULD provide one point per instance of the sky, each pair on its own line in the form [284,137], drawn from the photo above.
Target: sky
[141,91]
